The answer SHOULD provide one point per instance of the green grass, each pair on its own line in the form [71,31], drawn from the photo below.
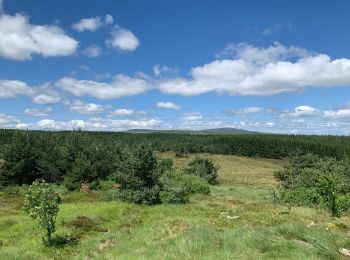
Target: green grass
[239,220]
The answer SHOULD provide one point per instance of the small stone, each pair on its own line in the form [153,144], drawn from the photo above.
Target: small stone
[232,217]
[345,252]
[312,224]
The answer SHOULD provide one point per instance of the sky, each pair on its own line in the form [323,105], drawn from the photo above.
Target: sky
[271,66]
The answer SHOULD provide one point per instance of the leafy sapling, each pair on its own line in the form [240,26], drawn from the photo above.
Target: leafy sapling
[42,204]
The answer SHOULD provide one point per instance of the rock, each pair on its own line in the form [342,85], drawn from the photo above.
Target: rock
[311,224]
[345,252]
[232,217]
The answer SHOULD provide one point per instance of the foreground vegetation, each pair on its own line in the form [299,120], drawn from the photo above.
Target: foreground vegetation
[238,219]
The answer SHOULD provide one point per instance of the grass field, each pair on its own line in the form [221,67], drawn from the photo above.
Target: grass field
[238,220]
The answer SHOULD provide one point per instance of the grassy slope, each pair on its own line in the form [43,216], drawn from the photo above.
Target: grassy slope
[198,230]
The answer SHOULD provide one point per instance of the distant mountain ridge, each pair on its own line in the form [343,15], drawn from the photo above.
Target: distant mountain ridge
[224,130]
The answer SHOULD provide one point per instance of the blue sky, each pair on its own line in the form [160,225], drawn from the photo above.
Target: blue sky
[271,66]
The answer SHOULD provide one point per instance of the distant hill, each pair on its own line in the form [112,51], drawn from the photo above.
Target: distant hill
[224,130]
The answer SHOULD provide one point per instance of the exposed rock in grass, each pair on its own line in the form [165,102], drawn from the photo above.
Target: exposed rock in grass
[345,252]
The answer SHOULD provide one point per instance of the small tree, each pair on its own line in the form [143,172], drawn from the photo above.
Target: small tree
[42,203]
[138,176]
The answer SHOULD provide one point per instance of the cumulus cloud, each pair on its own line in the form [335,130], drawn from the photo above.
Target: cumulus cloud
[121,86]
[338,114]
[262,72]
[12,88]
[168,105]
[247,111]
[92,51]
[123,112]
[94,124]
[195,116]
[40,95]
[88,24]
[20,39]
[44,99]
[123,40]
[8,121]
[38,112]
[302,111]
[80,107]
[127,112]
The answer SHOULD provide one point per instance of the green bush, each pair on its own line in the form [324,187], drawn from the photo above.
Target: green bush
[310,180]
[204,168]
[42,203]
[177,186]
[300,197]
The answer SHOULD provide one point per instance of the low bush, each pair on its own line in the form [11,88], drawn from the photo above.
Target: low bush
[310,180]
[204,168]
[177,187]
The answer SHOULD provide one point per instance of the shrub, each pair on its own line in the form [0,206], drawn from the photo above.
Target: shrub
[42,203]
[177,186]
[300,197]
[310,180]
[204,168]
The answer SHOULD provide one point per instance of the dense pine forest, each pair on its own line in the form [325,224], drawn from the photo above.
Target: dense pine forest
[251,145]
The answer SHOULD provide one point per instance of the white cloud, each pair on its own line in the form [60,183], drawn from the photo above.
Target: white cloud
[91,24]
[46,99]
[37,112]
[94,124]
[302,111]
[121,86]
[247,111]
[92,51]
[12,88]
[123,40]
[275,52]
[20,39]
[338,114]
[8,121]
[159,70]
[109,19]
[264,73]
[22,126]
[168,105]
[195,116]
[123,112]
[84,108]
[40,95]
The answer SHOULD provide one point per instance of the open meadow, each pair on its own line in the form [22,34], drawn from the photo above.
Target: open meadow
[238,220]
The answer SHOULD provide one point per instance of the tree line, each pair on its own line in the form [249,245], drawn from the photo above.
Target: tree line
[252,145]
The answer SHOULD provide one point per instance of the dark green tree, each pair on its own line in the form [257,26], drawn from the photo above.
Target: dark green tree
[138,176]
